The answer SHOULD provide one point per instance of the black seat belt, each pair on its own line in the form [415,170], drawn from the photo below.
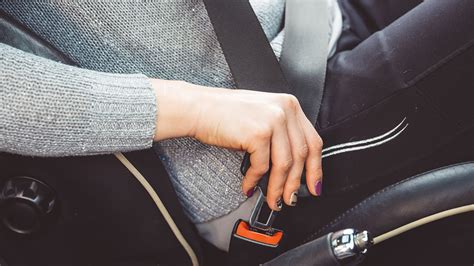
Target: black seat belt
[251,58]
[246,48]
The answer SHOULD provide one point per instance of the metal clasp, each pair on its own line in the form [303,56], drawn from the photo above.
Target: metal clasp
[262,223]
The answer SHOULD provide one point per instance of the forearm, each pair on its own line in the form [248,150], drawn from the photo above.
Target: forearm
[178,104]
[50,109]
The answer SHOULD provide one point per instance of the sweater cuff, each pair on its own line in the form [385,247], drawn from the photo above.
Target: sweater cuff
[122,114]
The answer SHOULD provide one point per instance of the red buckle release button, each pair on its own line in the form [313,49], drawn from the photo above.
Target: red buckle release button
[264,238]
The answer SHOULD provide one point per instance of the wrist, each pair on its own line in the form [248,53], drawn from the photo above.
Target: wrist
[177,109]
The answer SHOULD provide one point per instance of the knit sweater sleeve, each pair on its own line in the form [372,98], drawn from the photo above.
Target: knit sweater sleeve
[51,109]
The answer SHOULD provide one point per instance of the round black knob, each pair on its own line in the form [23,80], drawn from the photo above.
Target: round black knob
[25,204]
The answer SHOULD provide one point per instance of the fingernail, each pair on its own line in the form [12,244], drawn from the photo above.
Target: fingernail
[250,192]
[279,204]
[293,199]
[318,188]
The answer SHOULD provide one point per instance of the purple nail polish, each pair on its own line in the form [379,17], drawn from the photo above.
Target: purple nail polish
[318,188]
[250,192]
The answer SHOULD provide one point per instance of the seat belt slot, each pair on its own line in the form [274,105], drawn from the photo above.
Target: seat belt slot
[262,216]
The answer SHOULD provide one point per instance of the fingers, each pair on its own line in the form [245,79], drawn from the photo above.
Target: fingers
[314,172]
[259,165]
[299,152]
[290,143]
[282,162]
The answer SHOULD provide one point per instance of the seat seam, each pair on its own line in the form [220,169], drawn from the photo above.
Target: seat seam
[439,64]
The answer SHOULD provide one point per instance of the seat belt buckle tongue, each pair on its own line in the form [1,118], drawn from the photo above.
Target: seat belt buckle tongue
[262,217]
[259,229]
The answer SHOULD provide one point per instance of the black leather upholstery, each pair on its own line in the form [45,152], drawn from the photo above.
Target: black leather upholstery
[316,252]
[408,201]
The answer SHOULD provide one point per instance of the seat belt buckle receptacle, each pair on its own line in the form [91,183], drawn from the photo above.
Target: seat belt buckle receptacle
[259,229]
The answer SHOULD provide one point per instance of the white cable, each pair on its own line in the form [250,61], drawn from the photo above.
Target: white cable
[423,221]
[154,196]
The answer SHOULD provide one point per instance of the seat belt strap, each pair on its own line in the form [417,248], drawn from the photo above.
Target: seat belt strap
[246,48]
[305,51]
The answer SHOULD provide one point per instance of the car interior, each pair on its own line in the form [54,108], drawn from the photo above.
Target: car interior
[121,209]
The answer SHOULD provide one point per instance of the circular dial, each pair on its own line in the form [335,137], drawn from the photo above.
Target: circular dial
[25,204]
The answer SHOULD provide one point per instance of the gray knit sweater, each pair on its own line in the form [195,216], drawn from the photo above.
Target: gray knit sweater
[50,109]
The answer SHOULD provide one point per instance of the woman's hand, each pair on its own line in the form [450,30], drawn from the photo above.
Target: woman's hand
[266,125]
